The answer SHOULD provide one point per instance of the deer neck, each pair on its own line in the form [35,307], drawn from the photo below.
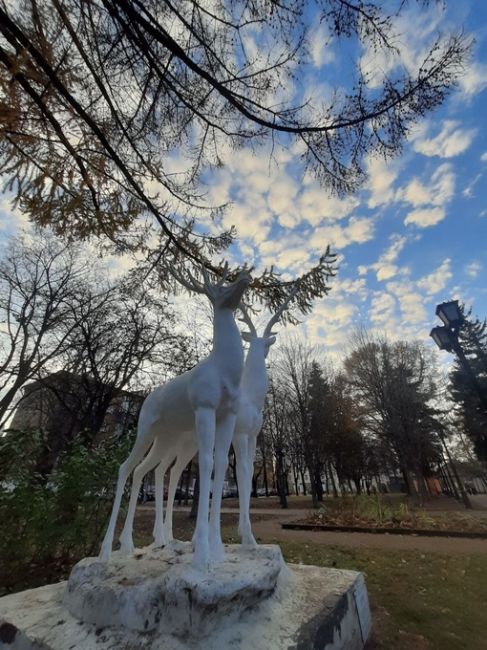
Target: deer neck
[254,378]
[227,345]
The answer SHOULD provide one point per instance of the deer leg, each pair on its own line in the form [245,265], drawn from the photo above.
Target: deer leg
[251,445]
[135,456]
[126,540]
[160,538]
[205,435]
[241,446]
[223,439]
[185,454]
[158,531]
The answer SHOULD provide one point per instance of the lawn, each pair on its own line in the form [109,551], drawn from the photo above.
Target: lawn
[420,601]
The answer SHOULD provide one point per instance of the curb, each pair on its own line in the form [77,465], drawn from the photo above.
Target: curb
[421,532]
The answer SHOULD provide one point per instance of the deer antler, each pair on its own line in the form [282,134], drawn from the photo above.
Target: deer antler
[247,320]
[190,283]
[279,312]
[222,280]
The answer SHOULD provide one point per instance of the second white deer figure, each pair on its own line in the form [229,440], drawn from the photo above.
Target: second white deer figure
[247,427]
[204,400]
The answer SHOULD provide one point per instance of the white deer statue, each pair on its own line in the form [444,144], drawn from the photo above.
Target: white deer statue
[205,401]
[248,425]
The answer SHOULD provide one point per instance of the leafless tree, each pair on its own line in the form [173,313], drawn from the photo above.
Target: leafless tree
[276,430]
[39,282]
[394,383]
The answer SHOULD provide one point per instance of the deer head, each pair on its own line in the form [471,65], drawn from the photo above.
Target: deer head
[221,295]
[268,338]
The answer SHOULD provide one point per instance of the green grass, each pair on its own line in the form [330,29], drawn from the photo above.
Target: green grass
[418,600]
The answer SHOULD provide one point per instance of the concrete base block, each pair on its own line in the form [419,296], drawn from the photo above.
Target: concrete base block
[249,602]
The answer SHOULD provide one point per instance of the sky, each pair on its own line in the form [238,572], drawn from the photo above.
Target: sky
[414,236]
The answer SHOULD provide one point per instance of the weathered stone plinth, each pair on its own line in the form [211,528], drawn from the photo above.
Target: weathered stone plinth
[156,600]
[158,589]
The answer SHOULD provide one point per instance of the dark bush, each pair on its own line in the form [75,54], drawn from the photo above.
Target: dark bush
[48,523]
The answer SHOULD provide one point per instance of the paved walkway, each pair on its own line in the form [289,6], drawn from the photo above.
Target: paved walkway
[479,501]
[268,528]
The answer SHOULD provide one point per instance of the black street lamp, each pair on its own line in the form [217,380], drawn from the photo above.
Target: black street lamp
[442,337]
[446,338]
[450,314]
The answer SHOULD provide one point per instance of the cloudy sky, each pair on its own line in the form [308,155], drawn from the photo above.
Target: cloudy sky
[414,236]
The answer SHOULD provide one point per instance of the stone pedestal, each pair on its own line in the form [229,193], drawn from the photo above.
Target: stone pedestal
[155,600]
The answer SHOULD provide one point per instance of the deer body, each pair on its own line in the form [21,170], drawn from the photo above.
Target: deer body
[203,401]
[248,424]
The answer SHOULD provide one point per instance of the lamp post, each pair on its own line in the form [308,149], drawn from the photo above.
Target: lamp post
[446,338]
[463,492]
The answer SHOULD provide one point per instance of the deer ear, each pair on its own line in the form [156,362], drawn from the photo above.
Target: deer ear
[247,336]
[270,341]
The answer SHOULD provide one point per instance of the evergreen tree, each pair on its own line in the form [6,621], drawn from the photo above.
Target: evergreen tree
[472,337]
[316,436]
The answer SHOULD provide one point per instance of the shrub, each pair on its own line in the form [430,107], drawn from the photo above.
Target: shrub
[49,522]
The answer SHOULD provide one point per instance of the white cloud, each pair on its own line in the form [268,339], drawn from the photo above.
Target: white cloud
[473,269]
[385,267]
[483,157]
[382,309]
[329,323]
[410,300]
[473,79]
[438,279]
[438,192]
[316,205]
[12,219]
[468,191]
[381,176]
[451,141]
[358,231]
[425,217]
[320,46]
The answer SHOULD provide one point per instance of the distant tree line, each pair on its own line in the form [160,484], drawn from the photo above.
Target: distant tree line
[381,415]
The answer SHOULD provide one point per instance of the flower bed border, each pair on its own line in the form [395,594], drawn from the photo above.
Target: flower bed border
[422,532]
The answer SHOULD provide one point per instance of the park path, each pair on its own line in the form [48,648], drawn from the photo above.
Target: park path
[267,527]
[270,530]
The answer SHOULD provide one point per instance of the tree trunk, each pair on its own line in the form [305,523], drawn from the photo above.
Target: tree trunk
[314,496]
[254,487]
[188,481]
[196,496]
[327,482]
[318,483]
[266,485]
[296,484]
[333,483]
[281,480]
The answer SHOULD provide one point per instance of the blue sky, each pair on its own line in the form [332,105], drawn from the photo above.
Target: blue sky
[415,235]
